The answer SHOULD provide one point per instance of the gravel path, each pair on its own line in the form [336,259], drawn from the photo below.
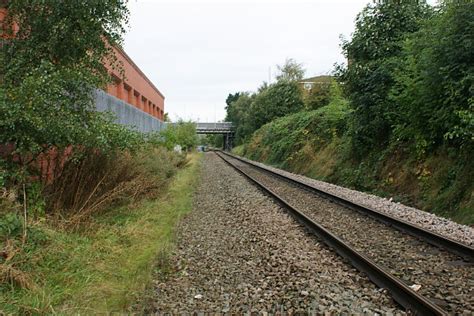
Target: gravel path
[421,218]
[443,276]
[238,251]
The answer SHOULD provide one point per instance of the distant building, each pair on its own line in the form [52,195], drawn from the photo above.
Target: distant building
[308,83]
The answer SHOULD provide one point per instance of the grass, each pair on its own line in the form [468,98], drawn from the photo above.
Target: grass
[106,268]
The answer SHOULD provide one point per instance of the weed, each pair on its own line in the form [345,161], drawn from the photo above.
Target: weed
[106,265]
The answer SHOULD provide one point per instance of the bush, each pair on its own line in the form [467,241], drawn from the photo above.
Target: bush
[373,54]
[318,96]
[249,112]
[279,99]
[283,138]
[180,133]
[47,78]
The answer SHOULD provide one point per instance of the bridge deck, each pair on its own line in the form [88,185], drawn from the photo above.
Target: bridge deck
[214,128]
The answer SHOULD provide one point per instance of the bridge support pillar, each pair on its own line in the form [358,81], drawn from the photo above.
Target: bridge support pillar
[228,141]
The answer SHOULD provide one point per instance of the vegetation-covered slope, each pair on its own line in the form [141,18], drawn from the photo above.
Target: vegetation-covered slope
[313,144]
[401,120]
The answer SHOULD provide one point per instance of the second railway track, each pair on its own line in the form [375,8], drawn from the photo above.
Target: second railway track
[442,277]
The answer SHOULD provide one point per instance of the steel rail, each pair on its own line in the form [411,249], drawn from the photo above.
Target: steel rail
[400,292]
[428,236]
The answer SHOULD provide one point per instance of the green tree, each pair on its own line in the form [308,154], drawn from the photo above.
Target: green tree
[213,140]
[232,98]
[433,96]
[181,133]
[232,111]
[290,71]
[280,99]
[50,67]
[319,95]
[373,54]
[249,112]
[238,112]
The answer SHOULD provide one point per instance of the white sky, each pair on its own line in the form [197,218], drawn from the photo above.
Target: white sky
[197,52]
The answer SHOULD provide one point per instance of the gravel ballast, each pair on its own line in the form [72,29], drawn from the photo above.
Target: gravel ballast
[443,226]
[437,274]
[238,252]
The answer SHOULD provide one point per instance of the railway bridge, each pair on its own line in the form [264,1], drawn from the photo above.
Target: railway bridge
[224,128]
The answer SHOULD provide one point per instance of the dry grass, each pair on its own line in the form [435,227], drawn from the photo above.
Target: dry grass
[104,267]
[15,277]
[99,181]
[9,274]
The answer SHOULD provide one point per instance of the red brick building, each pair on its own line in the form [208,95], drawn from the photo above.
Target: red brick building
[135,88]
[132,86]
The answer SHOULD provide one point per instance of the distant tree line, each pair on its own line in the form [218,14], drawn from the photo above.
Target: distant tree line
[250,111]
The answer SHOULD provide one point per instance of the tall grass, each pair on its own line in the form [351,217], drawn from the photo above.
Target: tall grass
[103,226]
[98,180]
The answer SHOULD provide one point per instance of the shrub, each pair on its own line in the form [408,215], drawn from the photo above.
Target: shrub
[433,97]
[373,54]
[180,133]
[286,136]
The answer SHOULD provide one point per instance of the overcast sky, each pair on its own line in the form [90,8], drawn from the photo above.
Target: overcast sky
[197,52]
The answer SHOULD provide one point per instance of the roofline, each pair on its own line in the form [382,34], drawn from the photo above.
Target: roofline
[139,70]
[313,82]
[314,77]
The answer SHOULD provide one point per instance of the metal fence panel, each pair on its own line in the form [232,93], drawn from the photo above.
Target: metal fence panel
[127,114]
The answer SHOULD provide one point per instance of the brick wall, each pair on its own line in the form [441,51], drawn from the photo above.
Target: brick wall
[133,87]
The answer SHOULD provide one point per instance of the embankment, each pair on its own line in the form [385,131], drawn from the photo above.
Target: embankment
[314,144]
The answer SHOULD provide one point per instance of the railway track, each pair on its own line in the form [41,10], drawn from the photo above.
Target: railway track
[425,272]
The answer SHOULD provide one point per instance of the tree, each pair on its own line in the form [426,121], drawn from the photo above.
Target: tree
[65,34]
[280,99]
[232,98]
[290,71]
[213,140]
[373,54]
[181,133]
[249,112]
[50,67]
[318,96]
[433,96]
[238,112]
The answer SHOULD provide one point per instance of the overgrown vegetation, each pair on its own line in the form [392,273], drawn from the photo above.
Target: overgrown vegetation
[105,266]
[180,133]
[251,111]
[403,124]
[281,141]
[212,140]
[69,176]
[49,69]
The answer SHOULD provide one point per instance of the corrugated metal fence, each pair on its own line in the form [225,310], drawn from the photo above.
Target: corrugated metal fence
[127,114]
